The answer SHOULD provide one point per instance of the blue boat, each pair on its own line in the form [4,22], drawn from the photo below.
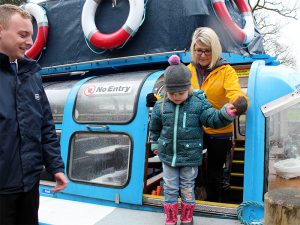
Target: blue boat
[98,101]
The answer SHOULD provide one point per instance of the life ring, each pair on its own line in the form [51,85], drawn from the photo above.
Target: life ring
[244,35]
[116,39]
[40,16]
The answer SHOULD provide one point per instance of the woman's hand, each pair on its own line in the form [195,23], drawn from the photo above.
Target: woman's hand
[241,105]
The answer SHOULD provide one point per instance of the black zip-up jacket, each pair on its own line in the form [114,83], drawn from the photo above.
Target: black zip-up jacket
[27,133]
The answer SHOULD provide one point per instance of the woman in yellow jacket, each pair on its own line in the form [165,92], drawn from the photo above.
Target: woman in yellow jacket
[219,81]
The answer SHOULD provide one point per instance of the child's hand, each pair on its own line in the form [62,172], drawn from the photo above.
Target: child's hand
[154,148]
[231,110]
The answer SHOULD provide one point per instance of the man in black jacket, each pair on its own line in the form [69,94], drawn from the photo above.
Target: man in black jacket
[28,139]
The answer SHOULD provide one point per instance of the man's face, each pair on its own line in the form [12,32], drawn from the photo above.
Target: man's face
[16,37]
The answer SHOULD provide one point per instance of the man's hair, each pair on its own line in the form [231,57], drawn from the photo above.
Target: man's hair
[208,37]
[8,10]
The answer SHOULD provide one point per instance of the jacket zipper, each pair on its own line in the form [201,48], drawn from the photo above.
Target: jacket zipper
[184,120]
[175,135]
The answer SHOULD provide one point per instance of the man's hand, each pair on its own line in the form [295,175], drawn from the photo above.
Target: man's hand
[61,182]
[154,148]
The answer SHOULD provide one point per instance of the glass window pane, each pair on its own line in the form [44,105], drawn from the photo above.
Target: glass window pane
[109,99]
[283,135]
[100,158]
[57,94]
[242,125]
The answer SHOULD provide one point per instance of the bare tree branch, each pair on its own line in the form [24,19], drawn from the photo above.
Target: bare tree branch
[265,13]
[285,8]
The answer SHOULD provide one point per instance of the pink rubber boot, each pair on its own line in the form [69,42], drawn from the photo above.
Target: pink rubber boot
[187,211]
[171,212]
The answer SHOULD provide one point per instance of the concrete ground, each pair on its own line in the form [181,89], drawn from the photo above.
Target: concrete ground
[54,211]
[136,217]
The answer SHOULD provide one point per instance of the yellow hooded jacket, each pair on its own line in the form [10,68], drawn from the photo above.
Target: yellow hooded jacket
[221,86]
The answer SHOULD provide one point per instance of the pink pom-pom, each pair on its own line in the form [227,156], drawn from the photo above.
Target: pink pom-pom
[174,60]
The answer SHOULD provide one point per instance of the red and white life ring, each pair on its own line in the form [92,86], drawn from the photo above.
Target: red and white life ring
[116,39]
[244,35]
[40,16]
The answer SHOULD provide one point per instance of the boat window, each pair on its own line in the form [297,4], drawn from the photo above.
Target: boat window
[159,88]
[57,93]
[100,158]
[109,99]
[242,125]
[283,148]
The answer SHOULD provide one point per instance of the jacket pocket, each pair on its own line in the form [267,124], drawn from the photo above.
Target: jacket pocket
[190,145]
[164,146]
[191,151]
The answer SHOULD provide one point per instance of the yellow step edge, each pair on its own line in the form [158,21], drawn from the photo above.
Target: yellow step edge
[197,201]
[236,174]
[238,161]
[236,188]
[239,149]
[153,196]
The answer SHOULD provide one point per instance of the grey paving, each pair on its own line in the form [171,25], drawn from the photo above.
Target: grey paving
[137,217]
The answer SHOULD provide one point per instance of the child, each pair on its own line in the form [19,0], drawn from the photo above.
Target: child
[177,133]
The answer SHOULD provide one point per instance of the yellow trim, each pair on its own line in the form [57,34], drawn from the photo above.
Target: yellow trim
[237,174]
[242,70]
[239,149]
[236,188]
[197,201]
[153,196]
[238,161]
[243,73]
[227,205]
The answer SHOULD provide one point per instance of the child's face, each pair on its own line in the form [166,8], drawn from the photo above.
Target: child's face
[178,97]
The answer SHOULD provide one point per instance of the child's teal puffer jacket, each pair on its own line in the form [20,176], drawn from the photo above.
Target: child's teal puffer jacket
[176,130]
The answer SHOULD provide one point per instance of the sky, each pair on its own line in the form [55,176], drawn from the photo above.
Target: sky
[290,29]
[36,1]
[290,36]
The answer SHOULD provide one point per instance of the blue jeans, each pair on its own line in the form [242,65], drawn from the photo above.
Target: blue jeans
[179,179]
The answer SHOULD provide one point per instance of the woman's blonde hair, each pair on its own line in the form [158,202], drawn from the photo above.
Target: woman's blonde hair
[208,37]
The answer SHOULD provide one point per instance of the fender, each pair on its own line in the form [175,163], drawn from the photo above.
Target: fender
[40,16]
[244,35]
[116,39]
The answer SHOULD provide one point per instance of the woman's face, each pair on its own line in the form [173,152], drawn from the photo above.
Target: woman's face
[178,97]
[202,54]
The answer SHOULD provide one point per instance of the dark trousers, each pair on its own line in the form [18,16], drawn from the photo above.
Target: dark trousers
[217,150]
[20,208]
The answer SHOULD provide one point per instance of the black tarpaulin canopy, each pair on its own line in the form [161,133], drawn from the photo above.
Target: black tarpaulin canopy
[168,26]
